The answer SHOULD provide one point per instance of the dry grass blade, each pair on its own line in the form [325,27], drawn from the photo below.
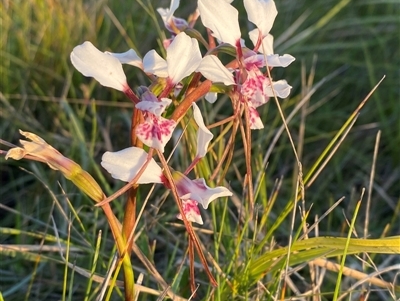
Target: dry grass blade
[363,277]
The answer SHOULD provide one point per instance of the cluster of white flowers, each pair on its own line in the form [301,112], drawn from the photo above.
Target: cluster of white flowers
[244,81]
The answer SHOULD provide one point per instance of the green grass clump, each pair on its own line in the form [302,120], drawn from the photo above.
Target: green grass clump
[333,235]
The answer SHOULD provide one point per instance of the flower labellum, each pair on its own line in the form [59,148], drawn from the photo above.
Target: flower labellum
[191,210]
[156,131]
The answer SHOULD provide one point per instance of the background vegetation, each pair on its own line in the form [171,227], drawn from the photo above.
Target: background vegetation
[343,47]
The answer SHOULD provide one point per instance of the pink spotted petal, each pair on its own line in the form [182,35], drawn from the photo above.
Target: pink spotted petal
[106,69]
[156,131]
[125,164]
[255,120]
[191,211]
[253,60]
[255,87]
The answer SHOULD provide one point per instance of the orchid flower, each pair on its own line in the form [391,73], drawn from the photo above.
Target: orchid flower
[156,131]
[183,58]
[167,15]
[256,88]
[125,164]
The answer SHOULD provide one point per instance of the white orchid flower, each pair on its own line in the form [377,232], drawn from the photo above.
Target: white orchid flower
[124,165]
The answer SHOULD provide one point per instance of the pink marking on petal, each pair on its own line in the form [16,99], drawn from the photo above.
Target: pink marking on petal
[255,87]
[191,211]
[257,60]
[254,119]
[155,131]
[189,206]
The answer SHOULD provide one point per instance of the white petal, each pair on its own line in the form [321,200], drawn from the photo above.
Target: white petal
[262,13]
[106,69]
[276,60]
[203,194]
[212,69]
[153,63]
[221,18]
[183,57]
[154,107]
[267,43]
[197,190]
[204,136]
[129,57]
[281,87]
[211,97]
[167,13]
[125,164]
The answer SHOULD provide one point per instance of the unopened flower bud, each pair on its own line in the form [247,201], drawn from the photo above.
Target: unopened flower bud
[39,150]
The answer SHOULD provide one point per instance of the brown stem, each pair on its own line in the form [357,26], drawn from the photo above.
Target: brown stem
[137,118]
[191,267]
[129,218]
[246,134]
[199,92]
